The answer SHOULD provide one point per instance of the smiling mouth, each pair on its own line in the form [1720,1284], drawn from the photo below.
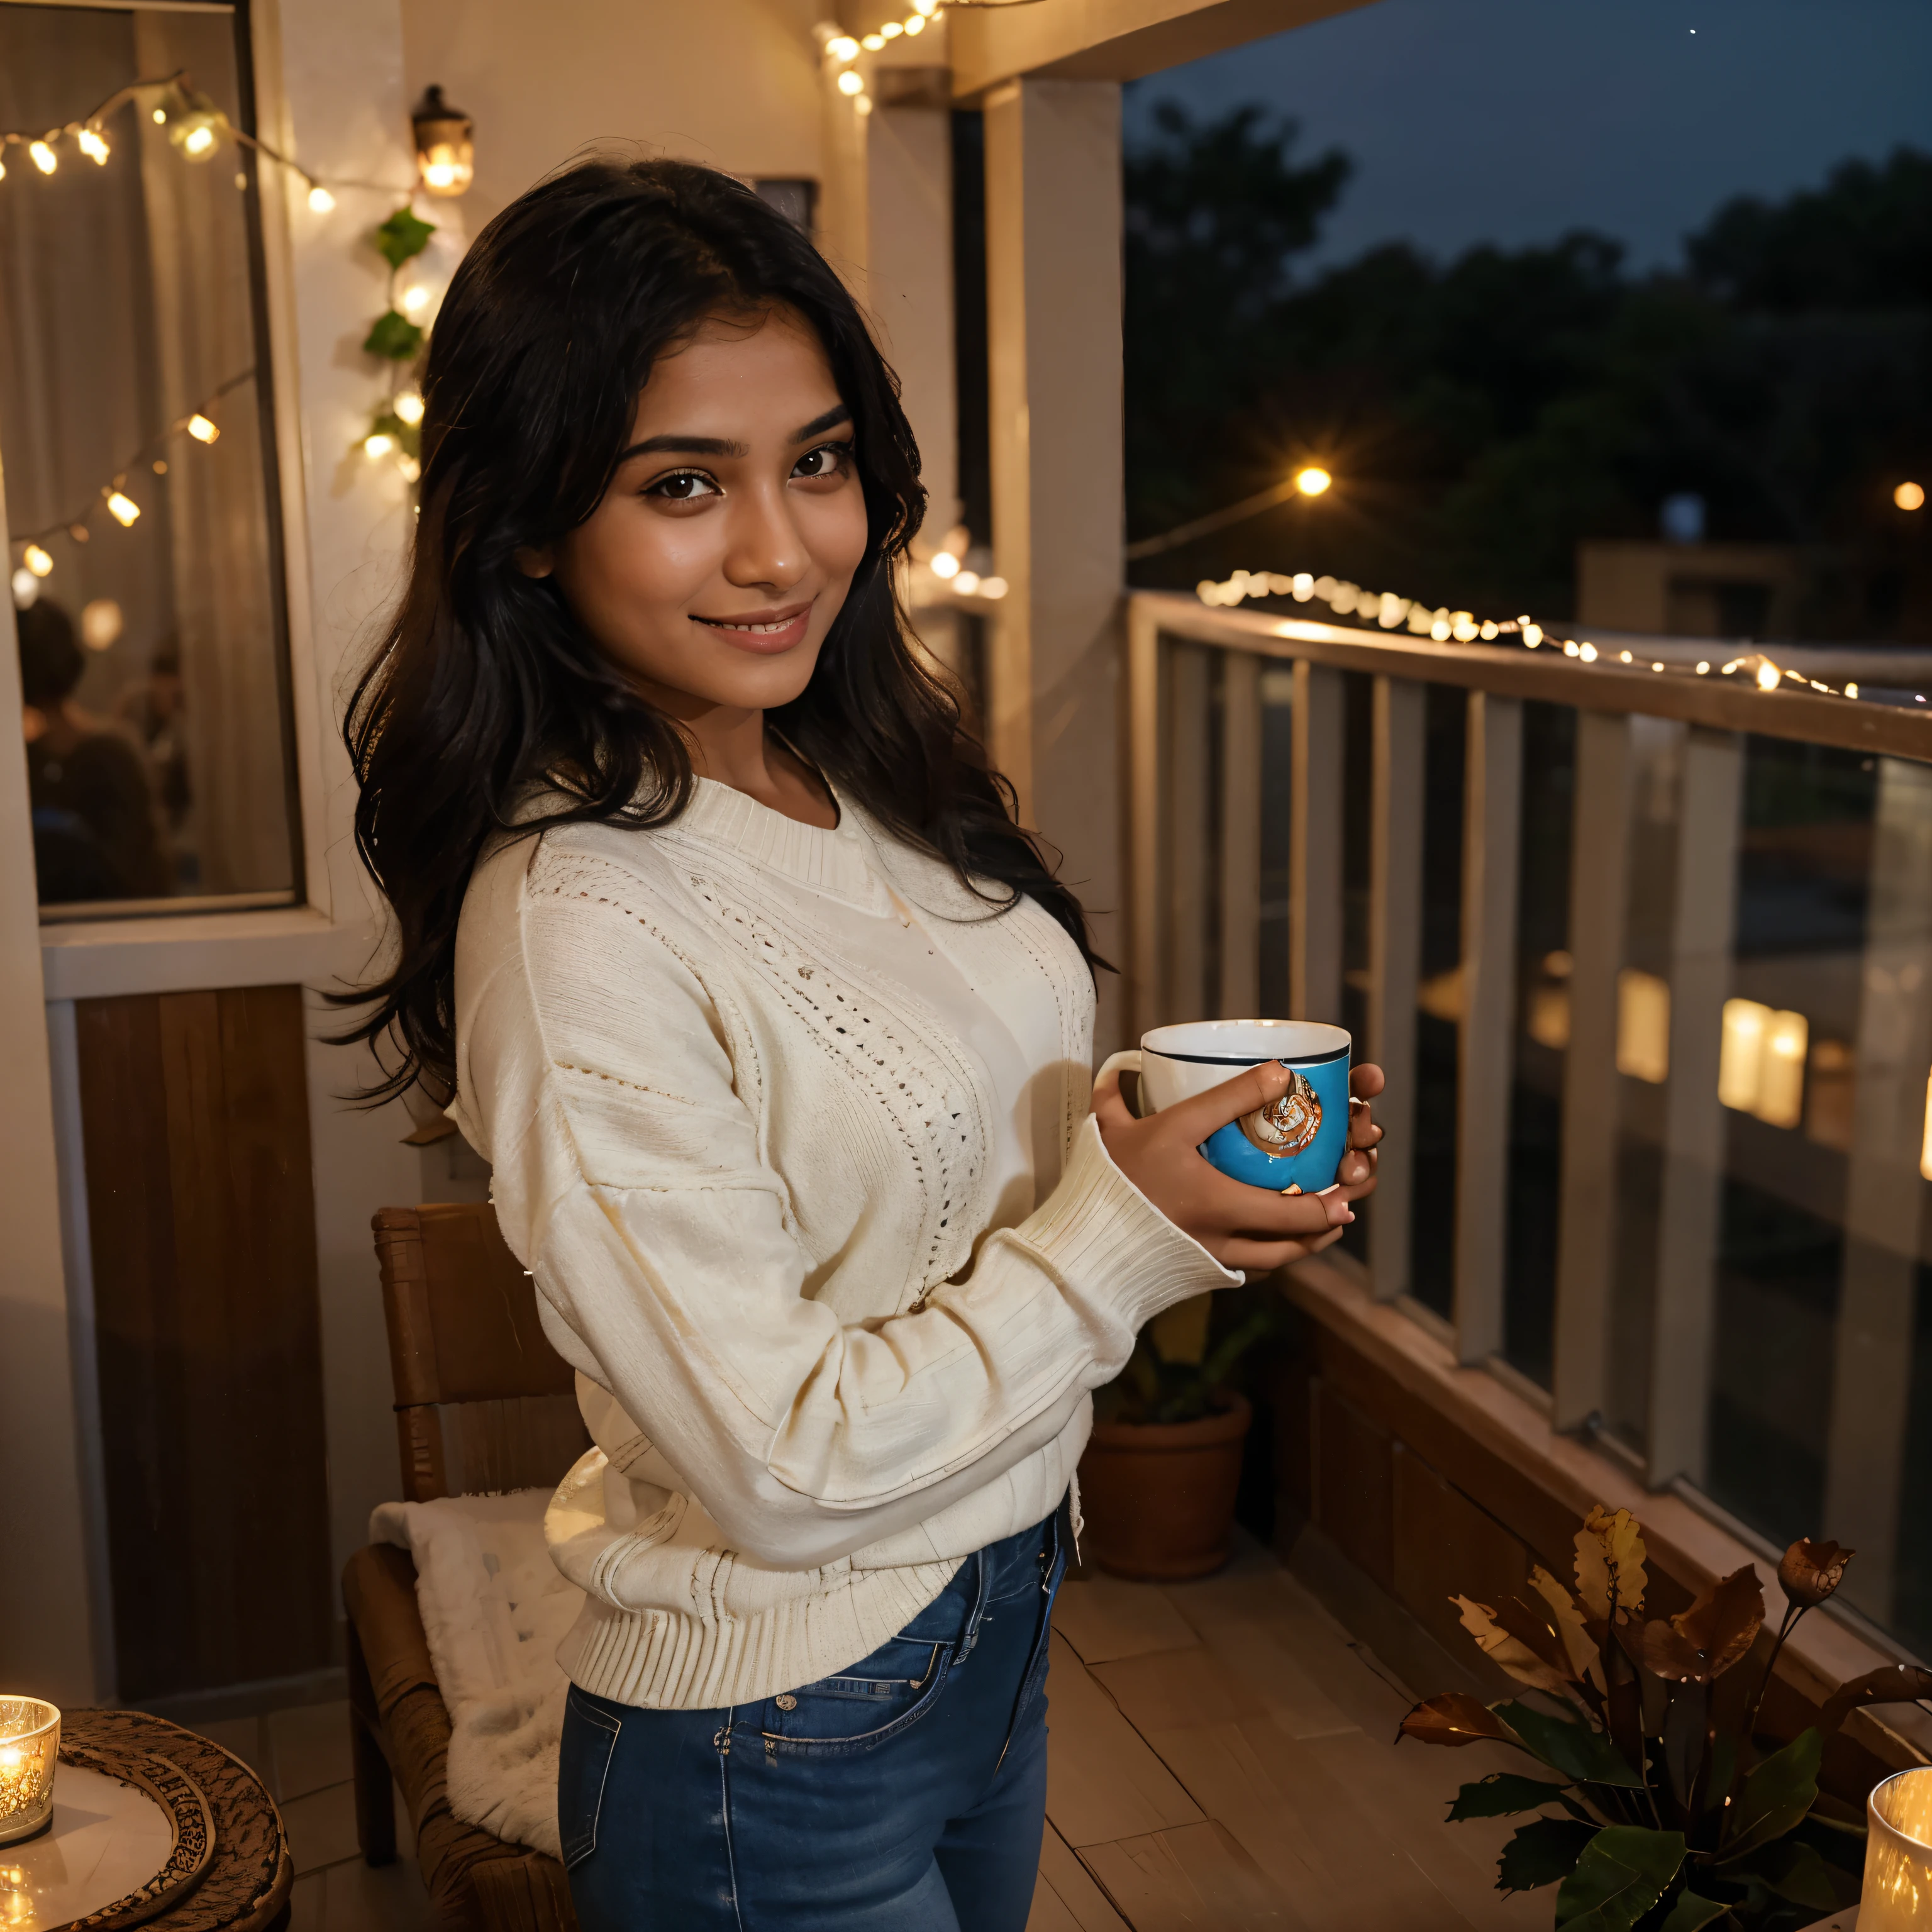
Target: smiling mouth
[759,624]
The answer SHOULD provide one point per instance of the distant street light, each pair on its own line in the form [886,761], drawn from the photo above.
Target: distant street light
[1909,496]
[1312,481]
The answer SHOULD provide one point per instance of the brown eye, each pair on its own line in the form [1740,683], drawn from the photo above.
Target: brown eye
[682,486]
[827,459]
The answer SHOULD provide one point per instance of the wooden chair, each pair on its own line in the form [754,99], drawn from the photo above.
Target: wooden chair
[483,1403]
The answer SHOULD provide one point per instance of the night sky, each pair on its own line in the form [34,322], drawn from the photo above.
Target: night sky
[1510,120]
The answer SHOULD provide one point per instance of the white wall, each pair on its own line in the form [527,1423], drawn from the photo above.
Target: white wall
[732,83]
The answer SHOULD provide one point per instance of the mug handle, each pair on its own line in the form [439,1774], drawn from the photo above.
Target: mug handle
[1129,1062]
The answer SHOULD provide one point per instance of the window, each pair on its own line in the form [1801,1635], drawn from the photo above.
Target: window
[138,446]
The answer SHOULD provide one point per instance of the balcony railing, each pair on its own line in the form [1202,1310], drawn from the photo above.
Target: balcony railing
[1648,960]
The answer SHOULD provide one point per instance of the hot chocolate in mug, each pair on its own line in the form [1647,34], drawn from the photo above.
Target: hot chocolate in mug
[1297,1141]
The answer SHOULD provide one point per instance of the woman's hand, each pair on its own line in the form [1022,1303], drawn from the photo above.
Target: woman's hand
[1242,1227]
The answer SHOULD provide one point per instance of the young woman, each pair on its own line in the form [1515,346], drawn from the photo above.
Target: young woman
[723,944]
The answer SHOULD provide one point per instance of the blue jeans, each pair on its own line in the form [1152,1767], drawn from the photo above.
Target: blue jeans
[906,1794]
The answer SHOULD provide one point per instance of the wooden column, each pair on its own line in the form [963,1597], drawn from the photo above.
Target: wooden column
[1185,822]
[1148,978]
[1240,835]
[1599,889]
[1690,1212]
[1871,1385]
[1491,819]
[1395,965]
[1053,280]
[1314,848]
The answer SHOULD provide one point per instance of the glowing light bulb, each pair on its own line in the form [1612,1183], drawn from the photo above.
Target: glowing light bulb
[945,564]
[1703,667]
[1768,675]
[850,83]
[37,560]
[1571,649]
[1851,690]
[122,508]
[378,444]
[410,468]
[1588,652]
[967,584]
[1532,635]
[1909,496]
[863,105]
[915,23]
[842,47]
[891,31]
[992,586]
[409,407]
[872,43]
[198,426]
[90,144]
[320,199]
[1312,480]
[1623,657]
[26,588]
[45,159]
[928,7]
[198,140]
[416,300]
[160,117]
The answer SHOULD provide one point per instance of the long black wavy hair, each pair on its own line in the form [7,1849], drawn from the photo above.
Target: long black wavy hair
[485,686]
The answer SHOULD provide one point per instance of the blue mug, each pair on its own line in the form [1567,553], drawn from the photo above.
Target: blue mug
[1298,1142]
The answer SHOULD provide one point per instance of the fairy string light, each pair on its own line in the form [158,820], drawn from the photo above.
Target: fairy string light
[196,128]
[1388,612]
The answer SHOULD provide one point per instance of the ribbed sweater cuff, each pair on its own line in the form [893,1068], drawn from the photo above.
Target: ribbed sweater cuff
[1101,1231]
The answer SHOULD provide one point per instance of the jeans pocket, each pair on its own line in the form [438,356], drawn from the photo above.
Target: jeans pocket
[583,1765]
[860,1708]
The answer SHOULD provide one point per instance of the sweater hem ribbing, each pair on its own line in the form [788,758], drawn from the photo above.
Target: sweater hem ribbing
[665,1661]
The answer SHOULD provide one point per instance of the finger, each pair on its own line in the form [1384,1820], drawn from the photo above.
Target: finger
[1255,1258]
[1355,1169]
[1206,1113]
[1260,1214]
[1110,1106]
[1363,1131]
[1365,1081]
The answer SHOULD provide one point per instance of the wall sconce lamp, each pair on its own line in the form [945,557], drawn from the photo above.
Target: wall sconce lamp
[445,152]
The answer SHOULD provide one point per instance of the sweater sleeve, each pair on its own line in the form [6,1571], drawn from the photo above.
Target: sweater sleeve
[630,1178]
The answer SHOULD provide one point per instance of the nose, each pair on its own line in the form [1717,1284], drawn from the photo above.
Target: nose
[767,551]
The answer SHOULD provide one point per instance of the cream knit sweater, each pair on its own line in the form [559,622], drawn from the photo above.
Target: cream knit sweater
[757,1097]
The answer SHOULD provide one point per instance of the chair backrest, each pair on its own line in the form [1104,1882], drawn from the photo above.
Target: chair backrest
[483,1401]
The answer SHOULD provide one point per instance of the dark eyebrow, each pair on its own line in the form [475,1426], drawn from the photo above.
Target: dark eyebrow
[675,444]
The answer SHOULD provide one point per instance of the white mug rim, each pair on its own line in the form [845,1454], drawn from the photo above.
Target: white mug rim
[1339,1043]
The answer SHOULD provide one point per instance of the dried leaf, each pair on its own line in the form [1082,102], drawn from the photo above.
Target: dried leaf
[1585,1658]
[1511,1653]
[1724,1622]
[1455,1718]
[1894,1684]
[1666,1652]
[1809,1572]
[1529,1625]
[1609,1564]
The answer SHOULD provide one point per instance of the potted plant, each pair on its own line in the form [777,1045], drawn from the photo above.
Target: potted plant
[1658,1808]
[1158,1481]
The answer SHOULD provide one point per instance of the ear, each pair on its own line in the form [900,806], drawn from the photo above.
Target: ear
[536,560]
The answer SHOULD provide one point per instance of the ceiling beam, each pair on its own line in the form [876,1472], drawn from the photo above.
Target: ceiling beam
[1109,39]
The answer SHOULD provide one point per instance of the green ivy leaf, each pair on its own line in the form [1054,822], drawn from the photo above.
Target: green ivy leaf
[1541,1853]
[1623,1871]
[403,234]
[395,337]
[1774,1798]
[1501,1795]
[1578,1750]
[1691,1914]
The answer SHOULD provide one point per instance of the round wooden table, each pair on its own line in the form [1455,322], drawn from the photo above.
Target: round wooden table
[231,1868]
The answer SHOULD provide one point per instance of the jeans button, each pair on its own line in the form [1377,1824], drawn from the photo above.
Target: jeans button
[785,1701]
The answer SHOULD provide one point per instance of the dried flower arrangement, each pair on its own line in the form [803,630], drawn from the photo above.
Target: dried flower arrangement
[1666,1813]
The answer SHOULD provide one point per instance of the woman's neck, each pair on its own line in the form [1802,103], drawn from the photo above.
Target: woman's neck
[735,749]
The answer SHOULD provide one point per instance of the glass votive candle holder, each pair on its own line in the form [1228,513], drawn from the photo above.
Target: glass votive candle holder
[1898,1855]
[29,1749]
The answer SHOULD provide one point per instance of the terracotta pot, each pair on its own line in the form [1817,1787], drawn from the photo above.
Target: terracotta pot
[1159,1497]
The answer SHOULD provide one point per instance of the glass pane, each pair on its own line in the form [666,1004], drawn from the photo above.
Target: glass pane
[146,577]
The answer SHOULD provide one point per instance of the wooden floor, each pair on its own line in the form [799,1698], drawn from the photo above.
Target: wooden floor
[1222,1756]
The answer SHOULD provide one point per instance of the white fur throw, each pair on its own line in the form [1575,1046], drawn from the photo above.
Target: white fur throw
[494,1608]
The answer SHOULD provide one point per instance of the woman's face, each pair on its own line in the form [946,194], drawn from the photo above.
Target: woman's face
[725,547]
